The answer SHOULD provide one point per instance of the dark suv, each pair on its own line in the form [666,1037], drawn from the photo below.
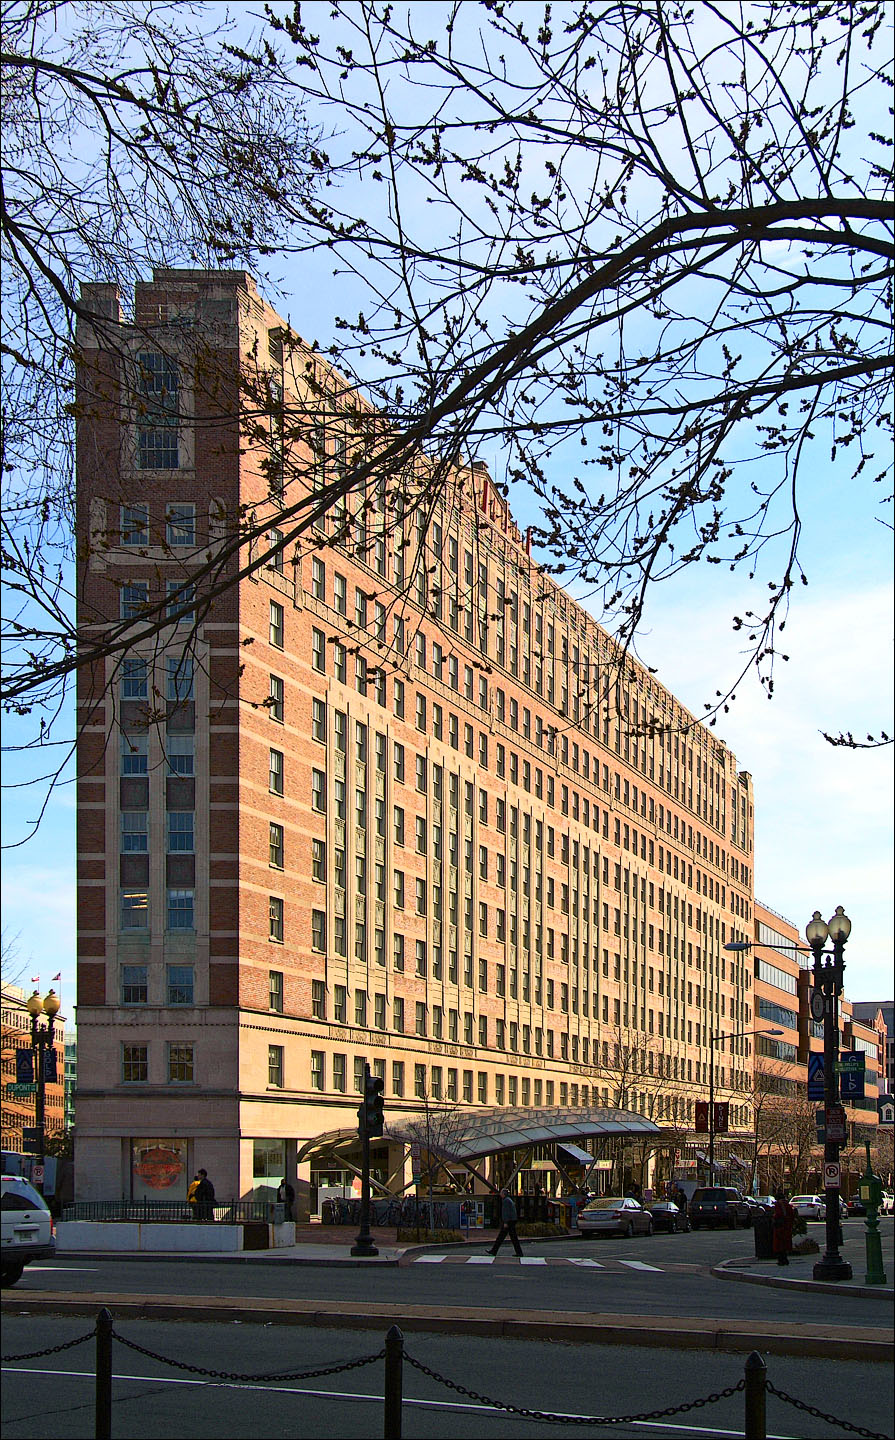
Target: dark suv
[719,1205]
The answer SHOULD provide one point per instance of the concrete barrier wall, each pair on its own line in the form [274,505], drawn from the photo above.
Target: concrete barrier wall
[126,1237]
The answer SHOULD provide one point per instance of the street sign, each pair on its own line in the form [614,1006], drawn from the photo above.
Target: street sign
[837,1124]
[22,1092]
[722,1117]
[24,1065]
[818,1004]
[820,1120]
[701,1118]
[832,1175]
[30,1147]
[851,1085]
[849,1061]
[815,1077]
[37,1174]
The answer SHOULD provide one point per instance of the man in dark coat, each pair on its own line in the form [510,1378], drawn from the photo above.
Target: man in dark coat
[204,1197]
[508,1218]
[782,1222]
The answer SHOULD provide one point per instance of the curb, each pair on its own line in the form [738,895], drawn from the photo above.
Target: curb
[726,1271]
[865,1343]
[251,1257]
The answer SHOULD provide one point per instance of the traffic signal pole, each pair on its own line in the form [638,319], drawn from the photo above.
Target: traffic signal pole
[367,1120]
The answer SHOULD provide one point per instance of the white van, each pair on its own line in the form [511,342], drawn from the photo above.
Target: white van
[27,1231]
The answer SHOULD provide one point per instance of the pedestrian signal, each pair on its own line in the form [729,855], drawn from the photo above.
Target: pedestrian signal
[371,1114]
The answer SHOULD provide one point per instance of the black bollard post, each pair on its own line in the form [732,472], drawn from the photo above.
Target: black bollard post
[756,1373]
[394,1363]
[104,1375]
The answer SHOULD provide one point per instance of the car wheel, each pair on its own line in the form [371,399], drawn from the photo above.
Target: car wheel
[649,1227]
[12,1274]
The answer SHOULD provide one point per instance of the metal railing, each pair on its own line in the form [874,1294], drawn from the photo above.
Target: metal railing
[145,1212]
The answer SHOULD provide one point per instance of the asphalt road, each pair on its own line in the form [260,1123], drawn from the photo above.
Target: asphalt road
[679,1283]
[52,1398]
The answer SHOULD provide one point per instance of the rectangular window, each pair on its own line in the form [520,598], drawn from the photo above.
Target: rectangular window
[134,1064]
[180,1065]
[181,602]
[134,679]
[360,1007]
[181,754]
[399,952]
[275,1066]
[277,624]
[276,772]
[158,384]
[318,791]
[276,700]
[275,553]
[134,910]
[340,1073]
[134,598]
[318,579]
[318,1075]
[397,1077]
[181,985]
[134,832]
[180,677]
[318,999]
[318,930]
[275,991]
[275,913]
[134,984]
[180,909]
[180,832]
[135,525]
[275,846]
[340,1004]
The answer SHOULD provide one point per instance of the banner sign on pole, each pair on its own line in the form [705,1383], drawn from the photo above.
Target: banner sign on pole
[815,1077]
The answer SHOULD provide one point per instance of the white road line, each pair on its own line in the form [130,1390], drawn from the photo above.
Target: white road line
[579,1260]
[639,1265]
[270,1389]
[480,1260]
[68,1269]
[429,1259]
[532,1260]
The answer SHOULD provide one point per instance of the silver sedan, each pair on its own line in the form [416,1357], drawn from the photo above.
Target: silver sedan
[615,1215]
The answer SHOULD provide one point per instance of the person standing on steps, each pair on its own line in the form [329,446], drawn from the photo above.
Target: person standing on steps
[508,1218]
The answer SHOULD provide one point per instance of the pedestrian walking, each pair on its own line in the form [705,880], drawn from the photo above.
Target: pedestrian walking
[286,1198]
[191,1198]
[782,1222]
[508,1218]
[204,1197]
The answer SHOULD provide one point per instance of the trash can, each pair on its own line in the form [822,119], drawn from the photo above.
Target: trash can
[763,1231]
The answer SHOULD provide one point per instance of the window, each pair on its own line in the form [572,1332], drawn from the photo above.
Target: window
[276,772]
[180,985]
[275,990]
[275,846]
[318,650]
[134,910]
[318,720]
[180,677]
[379,1011]
[134,1064]
[399,763]
[134,679]
[397,1077]
[158,384]
[275,913]
[181,751]
[134,984]
[275,556]
[318,860]
[180,832]
[277,624]
[340,594]
[180,1064]
[276,700]
[317,1070]
[134,832]
[135,525]
[180,909]
[275,1066]
[318,579]
[318,791]
[360,1007]
[420,957]
[359,1069]
[340,1072]
[399,825]
[134,599]
[318,930]
[340,1004]
[181,602]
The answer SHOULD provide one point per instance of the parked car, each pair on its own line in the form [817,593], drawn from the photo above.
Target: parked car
[719,1205]
[27,1231]
[856,1206]
[888,1205]
[614,1215]
[812,1207]
[766,1202]
[667,1216]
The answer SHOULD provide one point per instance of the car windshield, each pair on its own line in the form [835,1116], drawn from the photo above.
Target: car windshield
[798,1198]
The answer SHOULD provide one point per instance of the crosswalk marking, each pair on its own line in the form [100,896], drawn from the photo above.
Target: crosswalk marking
[579,1260]
[480,1260]
[639,1265]
[582,1261]
[430,1259]
[532,1260]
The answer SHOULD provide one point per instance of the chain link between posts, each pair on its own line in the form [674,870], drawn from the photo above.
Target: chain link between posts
[822,1415]
[250,1379]
[50,1350]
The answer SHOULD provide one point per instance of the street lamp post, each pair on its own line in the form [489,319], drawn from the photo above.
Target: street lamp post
[42,1042]
[827,975]
[734,1035]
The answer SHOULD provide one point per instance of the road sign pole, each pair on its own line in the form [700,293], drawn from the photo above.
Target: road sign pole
[831,1266]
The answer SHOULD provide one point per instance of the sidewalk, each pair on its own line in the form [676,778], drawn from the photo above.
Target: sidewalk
[798,1274]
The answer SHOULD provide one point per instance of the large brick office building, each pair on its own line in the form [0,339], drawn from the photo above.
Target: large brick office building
[388,799]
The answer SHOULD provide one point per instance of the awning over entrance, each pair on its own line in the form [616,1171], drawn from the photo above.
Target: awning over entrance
[477,1133]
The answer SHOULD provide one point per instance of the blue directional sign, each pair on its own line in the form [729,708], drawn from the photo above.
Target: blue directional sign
[815,1077]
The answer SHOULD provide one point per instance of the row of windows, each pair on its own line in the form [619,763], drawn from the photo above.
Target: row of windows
[180,1064]
[179,754]
[135,832]
[179,670]
[179,984]
[179,912]
[179,525]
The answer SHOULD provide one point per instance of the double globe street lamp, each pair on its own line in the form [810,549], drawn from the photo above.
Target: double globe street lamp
[43,1047]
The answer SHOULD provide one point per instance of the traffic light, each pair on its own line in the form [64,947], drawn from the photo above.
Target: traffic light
[371,1114]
